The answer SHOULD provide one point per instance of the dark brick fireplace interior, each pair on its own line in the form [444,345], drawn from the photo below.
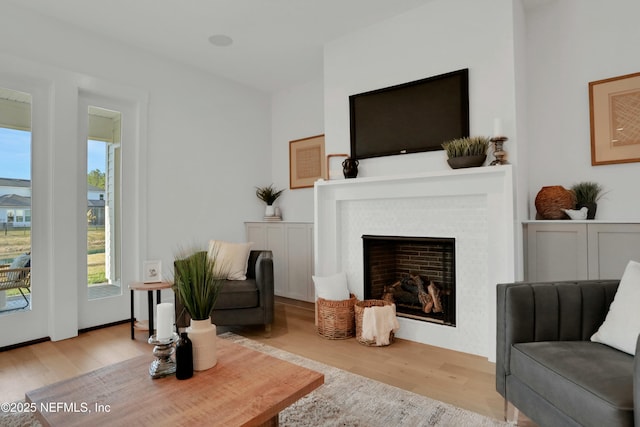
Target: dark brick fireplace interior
[413,272]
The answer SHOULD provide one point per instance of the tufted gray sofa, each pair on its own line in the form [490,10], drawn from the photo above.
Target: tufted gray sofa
[546,365]
[243,302]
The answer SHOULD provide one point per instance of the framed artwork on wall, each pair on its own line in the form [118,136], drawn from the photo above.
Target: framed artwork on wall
[307,162]
[152,271]
[614,106]
[334,166]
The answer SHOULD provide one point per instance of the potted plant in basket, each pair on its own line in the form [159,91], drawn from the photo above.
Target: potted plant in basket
[198,278]
[268,195]
[587,195]
[467,151]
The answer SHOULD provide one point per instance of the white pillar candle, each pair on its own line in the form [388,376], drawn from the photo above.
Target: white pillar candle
[164,329]
[497,127]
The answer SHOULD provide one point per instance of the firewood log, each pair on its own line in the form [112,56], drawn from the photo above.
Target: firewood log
[425,299]
[435,295]
[389,291]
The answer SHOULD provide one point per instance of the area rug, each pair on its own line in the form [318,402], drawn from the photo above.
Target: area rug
[345,399]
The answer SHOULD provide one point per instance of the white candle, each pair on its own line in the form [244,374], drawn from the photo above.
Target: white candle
[497,127]
[164,329]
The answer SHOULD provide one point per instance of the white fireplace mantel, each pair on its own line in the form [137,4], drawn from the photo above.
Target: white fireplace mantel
[474,206]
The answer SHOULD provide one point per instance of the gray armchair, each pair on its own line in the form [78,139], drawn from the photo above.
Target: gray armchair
[243,302]
[546,365]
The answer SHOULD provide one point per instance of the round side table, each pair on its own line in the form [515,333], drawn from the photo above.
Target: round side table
[149,287]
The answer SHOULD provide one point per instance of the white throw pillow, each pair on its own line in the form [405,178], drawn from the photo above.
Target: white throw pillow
[20,261]
[622,325]
[332,287]
[231,257]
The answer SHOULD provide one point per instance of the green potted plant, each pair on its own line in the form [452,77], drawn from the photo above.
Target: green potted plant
[268,195]
[587,195]
[198,279]
[469,151]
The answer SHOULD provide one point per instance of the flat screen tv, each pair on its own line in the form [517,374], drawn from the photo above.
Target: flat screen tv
[411,117]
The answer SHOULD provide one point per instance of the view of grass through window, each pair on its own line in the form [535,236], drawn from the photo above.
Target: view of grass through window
[96,165]
[15,229]
[15,182]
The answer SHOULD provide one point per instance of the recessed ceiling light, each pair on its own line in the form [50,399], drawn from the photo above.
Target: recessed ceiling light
[220,40]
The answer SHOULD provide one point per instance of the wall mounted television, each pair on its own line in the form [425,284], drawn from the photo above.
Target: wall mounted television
[410,117]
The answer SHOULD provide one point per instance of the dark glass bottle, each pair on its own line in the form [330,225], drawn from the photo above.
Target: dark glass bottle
[184,357]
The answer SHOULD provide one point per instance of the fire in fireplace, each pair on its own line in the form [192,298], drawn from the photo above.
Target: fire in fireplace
[415,273]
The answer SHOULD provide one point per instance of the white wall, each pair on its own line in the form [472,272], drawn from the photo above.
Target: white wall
[571,43]
[205,145]
[296,113]
[439,37]
[528,65]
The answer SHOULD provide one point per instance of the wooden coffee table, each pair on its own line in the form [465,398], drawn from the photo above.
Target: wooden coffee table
[245,388]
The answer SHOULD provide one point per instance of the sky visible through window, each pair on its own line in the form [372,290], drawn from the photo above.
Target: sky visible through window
[15,154]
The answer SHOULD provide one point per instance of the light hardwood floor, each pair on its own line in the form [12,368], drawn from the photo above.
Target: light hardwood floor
[460,379]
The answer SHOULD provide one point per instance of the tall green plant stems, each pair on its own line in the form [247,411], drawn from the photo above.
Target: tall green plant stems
[587,192]
[198,278]
[468,146]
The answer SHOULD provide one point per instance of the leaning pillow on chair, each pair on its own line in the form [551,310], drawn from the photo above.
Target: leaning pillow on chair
[621,327]
[231,257]
[332,287]
[21,261]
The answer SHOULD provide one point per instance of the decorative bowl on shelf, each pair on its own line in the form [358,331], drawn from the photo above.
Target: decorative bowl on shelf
[466,161]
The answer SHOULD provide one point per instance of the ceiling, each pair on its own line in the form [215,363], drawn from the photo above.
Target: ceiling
[276,43]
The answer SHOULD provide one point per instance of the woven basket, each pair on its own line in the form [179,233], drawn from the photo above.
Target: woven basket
[336,319]
[360,306]
[551,200]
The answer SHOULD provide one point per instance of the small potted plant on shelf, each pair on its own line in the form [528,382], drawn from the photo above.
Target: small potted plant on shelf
[587,195]
[268,195]
[467,151]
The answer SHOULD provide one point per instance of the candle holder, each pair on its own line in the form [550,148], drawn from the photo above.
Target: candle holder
[163,350]
[498,152]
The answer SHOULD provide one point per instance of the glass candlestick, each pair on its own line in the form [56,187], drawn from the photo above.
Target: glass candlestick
[163,350]
[498,151]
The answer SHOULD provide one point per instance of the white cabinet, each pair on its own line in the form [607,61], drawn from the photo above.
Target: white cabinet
[578,250]
[292,247]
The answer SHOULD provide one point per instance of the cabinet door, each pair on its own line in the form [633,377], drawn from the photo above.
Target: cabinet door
[556,252]
[298,261]
[277,244]
[611,247]
[257,234]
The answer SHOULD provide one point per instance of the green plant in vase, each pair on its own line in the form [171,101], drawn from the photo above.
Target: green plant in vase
[268,195]
[588,194]
[198,279]
[197,282]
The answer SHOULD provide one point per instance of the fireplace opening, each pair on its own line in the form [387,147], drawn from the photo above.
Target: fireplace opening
[417,274]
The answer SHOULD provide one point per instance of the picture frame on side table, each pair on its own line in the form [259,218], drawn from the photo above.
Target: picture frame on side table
[152,271]
[615,120]
[307,161]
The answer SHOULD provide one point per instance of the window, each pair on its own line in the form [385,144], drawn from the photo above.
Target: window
[103,203]
[15,188]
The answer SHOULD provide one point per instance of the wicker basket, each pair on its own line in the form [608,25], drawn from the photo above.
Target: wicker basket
[360,306]
[336,319]
[551,200]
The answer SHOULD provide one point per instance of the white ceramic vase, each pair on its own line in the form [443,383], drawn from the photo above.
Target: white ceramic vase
[270,210]
[202,334]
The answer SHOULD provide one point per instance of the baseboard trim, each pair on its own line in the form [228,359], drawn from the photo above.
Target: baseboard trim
[107,325]
[24,344]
